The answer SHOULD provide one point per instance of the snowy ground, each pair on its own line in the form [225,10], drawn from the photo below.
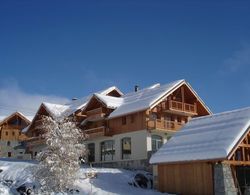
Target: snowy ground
[108,181]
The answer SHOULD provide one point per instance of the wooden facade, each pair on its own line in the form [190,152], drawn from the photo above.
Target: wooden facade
[10,128]
[187,178]
[198,177]
[169,115]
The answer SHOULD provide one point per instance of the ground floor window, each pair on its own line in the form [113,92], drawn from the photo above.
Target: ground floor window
[9,154]
[126,148]
[107,150]
[157,142]
[91,154]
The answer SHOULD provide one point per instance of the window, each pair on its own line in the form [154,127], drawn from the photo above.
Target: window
[13,133]
[6,133]
[8,143]
[124,121]
[107,150]
[126,148]
[9,154]
[91,154]
[156,142]
[152,116]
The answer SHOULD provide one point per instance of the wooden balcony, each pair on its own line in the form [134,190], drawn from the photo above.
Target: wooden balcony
[33,141]
[158,124]
[12,127]
[189,109]
[95,132]
[95,114]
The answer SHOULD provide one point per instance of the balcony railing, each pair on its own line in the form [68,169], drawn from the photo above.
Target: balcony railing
[32,141]
[95,114]
[163,125]
[184,107]
[95,132]
[12,127]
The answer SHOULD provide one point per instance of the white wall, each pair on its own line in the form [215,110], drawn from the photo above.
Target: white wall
[138,145]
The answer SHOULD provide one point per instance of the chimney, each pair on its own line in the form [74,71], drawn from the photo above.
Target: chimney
[136,88]
[74,98]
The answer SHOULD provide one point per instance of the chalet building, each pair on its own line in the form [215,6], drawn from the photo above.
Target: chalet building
[125,129]
[35,143]
[210,155]
[11,135]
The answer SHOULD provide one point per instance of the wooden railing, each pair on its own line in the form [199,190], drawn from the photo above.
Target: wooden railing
[12,127]
[95,132]
[163,125]
[32,141]
[180,106]
[95,114]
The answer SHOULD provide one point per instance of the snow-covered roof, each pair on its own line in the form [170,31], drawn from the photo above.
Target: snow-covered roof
[144,98]
[75,105]
[109,101]
[55,110]
[205,138]
[27,118]
[2,118]
[24,130]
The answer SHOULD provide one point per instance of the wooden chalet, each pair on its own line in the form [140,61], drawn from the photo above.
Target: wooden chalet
[11,133]
[148,116]
[35,141]
[125,129]
[210,155]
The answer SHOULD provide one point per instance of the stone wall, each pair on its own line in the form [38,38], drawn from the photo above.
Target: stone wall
[223,180]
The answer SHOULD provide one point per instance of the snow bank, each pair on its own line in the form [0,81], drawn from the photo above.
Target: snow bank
[108,181]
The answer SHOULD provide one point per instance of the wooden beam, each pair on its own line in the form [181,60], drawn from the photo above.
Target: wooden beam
[244,145]
[182,94]
[237,163]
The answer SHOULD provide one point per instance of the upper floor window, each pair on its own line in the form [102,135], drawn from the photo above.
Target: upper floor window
[107,150]
[6,133]
[13,133]
[124,120]
[8,143]
[157,142]
[126,148]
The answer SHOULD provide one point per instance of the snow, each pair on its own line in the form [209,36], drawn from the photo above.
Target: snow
[109,101]
[144,98]
[205,138]
[81,103]
[55,110]
[108,181]
[2,118]
[24,130]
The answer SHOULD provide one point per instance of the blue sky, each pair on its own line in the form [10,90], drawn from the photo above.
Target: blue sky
[54,50]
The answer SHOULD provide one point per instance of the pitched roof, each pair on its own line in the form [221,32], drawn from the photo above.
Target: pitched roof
[146,98]
[2,118]
[75,105]
[55,110]
[205,138]
[109,101]
[26,118]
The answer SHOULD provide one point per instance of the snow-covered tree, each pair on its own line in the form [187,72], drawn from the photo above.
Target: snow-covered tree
[59,161]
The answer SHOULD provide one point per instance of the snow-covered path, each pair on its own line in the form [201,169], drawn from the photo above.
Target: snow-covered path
[108,181]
